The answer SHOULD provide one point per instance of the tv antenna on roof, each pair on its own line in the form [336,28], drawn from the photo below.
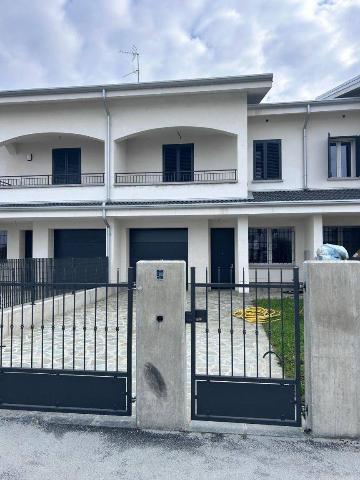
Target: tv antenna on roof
[135,57]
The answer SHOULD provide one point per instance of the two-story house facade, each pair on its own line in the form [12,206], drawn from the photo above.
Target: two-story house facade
[199,170]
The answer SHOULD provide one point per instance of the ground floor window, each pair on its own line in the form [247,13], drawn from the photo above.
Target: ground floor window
[348,237]
[271,245]
[3,244]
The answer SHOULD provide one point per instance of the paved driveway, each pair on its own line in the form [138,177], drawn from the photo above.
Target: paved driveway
[102,343]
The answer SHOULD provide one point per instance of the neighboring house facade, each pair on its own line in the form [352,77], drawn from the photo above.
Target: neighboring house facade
[198,170]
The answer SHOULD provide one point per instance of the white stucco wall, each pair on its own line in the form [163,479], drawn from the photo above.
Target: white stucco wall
[320,125]
[212,150]
[77,117]
[289,128]
[92,155]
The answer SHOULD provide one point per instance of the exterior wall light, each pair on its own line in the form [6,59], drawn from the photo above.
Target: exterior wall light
[29,157]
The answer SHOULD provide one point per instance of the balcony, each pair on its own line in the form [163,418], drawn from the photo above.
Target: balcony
[36,181]
[181,177]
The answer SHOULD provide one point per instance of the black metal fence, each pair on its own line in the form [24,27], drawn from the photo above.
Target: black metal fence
[20,278]
[69,351]
[248,335]
[20,181]
[204,176]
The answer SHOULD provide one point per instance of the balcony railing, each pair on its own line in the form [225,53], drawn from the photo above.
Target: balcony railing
[195,176]
[20,181]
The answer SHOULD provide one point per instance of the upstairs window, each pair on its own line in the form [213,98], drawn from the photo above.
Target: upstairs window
[271,245]
[3,244]
[178,162]
[343,157]
[267,159]
[66,164]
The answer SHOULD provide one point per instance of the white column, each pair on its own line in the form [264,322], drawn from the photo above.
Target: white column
[242,158]
[314,236]
[118,256]
[242,249]
[43,241]
[198,248]
[15,242]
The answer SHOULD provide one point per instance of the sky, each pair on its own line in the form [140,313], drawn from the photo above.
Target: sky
[309,45]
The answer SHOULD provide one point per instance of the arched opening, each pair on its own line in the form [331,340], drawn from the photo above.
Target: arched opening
[176,155]
[43,159]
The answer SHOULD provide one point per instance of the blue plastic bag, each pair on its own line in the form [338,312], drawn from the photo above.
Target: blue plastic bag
[331,252]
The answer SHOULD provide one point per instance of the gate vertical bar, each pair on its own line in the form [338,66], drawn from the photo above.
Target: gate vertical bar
[297,345]
[193,339]
[129,338]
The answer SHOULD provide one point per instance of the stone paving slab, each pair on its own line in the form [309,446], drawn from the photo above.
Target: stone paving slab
[104,347]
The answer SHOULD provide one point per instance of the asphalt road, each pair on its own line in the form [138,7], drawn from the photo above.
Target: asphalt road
[33,448]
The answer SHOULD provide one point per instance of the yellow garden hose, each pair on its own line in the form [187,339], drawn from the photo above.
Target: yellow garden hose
[257,314]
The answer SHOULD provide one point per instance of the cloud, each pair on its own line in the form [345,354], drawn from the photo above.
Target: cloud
[309,45]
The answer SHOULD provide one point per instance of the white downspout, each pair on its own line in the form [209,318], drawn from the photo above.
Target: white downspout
[305,156]
[107,146]
[107,177]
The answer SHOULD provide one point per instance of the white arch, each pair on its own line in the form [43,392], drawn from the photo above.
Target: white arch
[29,136]
[136,133]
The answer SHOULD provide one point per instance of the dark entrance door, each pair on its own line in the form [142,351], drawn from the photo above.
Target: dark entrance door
[222,255]
[66,166]
[158,244]
[28,243]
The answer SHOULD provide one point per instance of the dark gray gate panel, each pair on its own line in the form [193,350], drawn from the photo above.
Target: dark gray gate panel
[246,399]
[79,392]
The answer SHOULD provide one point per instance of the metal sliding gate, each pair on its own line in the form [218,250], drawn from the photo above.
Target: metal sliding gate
[245,350]
[70,350]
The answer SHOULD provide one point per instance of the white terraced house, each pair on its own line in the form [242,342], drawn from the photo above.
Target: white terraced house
[199,170]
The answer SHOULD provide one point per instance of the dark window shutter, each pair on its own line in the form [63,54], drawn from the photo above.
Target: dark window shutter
[357,156]
[259,160]
[178,162]
[66,165]
[273,160]
[73,165]
[59,166]
[329,157]
[186,162]
[170,162]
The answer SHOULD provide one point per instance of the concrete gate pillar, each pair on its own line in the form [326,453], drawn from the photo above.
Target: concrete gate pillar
[332,346]
[161,345]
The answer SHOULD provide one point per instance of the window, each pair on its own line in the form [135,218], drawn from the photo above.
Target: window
[343,157]
[178,162]
[271,245]
[3,244]
[267,159]
[66,166]
[348,237]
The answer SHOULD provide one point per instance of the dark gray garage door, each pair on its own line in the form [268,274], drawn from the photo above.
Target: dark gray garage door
[80,256]
[158,244]
[79,243]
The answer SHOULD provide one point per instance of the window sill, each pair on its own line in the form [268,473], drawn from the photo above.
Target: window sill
[279,180]
[340,179]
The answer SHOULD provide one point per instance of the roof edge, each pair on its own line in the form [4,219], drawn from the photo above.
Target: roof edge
[140,86]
